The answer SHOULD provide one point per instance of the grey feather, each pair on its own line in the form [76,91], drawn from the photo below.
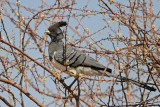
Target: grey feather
[75,59]
[55,32]
[71,57]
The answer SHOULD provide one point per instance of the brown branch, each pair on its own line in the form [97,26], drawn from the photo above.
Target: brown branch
[22,90]
[51,72]
[6,102]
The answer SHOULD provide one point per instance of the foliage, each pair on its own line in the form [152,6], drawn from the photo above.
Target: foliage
[121,35]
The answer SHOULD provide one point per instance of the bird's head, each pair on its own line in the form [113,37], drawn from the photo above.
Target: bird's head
[55,32]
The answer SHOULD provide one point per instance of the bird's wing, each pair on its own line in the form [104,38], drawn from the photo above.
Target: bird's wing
[73,58]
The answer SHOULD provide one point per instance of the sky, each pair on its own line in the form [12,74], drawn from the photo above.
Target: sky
[91,22]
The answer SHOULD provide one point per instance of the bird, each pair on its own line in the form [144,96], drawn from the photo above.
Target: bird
[67,59]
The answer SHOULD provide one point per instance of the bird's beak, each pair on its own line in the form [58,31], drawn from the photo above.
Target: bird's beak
[47,32]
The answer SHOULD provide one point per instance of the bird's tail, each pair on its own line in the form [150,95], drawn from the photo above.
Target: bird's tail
[121,78]
[143,85]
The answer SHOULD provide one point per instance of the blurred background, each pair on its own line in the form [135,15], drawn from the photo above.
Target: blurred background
[121,35]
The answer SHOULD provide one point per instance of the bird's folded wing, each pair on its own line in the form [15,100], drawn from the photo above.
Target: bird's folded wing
[73,58]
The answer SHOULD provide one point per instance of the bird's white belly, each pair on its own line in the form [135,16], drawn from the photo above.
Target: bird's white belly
[87,71]
[58,65]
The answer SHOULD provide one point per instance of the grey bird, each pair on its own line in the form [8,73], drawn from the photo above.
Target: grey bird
[67,59]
